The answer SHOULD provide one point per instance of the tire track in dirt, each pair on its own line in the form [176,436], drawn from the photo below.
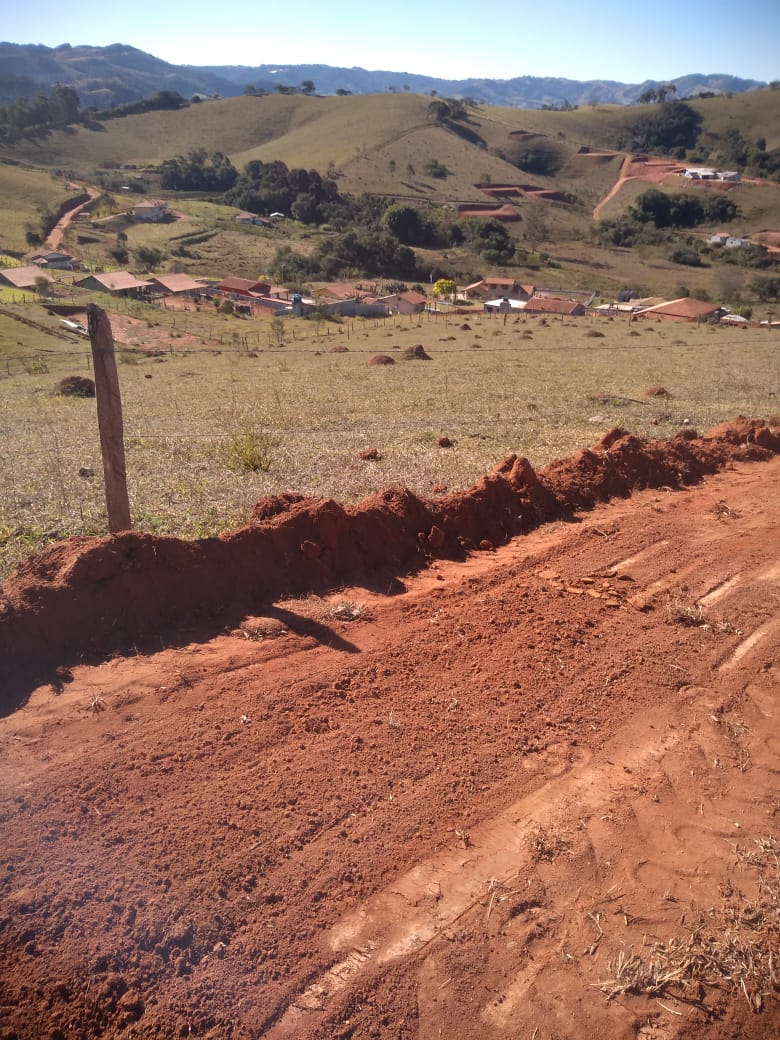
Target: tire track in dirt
[590,803]
[456,830]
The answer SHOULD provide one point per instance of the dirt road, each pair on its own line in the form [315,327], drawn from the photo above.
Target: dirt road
[57,233]
[532,793]
[633,168]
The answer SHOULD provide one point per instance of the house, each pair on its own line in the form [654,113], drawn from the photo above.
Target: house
[409,302]
[153,210]
[174,285]
[236,287]
[53,260]
[119,283]
[23,277]
[699,173]
[252,218]
[725,238]
[683,309]
[542,305]
[489,288]
[345,290]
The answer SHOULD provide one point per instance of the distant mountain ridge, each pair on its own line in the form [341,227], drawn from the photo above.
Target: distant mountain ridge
[118,73]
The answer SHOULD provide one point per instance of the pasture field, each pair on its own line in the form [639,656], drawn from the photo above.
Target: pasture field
[203,413]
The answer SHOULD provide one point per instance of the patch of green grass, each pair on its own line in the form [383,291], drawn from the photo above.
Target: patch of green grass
[249,449]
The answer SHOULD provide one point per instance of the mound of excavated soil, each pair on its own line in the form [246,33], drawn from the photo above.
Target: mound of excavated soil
[381,359]
[99,595]
[416,353]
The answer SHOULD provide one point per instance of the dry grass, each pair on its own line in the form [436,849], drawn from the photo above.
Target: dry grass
[24,195]
[319,410]
[545,845]
[680,611]
[733,947]
[347,610]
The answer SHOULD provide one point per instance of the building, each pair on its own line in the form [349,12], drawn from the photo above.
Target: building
[252,218]
[490,288]
[174,285]
[53,261]
[151,210]
[118,283]
[542,305]
[409,302]
[684,309]
[504,305]
[23,278]
[233,288]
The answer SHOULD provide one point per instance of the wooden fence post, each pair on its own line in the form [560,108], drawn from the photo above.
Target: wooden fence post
[109,414]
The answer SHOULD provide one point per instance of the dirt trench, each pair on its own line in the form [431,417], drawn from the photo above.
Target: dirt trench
[102,595]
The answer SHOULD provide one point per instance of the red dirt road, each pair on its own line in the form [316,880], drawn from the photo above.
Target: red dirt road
[474,811]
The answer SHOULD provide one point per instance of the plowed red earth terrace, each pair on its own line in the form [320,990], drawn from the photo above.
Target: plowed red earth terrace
[451,816]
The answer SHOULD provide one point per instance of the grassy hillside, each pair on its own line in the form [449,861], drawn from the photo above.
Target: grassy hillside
[26,194]
[349,132]
[381,144]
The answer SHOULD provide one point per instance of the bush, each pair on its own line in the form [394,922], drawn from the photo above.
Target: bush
[687,257]
[249,450]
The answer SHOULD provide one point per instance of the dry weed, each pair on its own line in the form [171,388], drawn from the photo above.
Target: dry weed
[733,947]
[347,610]
[545,845]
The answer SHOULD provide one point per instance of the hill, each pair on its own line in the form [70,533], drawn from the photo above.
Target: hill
[557,172]
[119,73]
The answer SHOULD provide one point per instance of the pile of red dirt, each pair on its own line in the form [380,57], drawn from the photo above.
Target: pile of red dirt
[101,595]
[416,353]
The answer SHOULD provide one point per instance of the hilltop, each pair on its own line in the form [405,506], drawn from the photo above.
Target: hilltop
[119,73]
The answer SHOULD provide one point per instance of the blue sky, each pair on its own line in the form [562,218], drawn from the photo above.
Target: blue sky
[602,39]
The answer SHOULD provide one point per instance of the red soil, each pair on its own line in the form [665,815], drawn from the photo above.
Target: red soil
[449,817]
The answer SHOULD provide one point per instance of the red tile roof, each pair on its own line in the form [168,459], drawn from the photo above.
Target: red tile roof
[537,305]
[176,283]
[114,281]
[684,307]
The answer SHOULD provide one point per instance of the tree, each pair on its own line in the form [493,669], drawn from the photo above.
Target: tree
[535,228]
[43,286]
[444,287]
[307,87]
[148,257]
[405,223]
[434,168]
